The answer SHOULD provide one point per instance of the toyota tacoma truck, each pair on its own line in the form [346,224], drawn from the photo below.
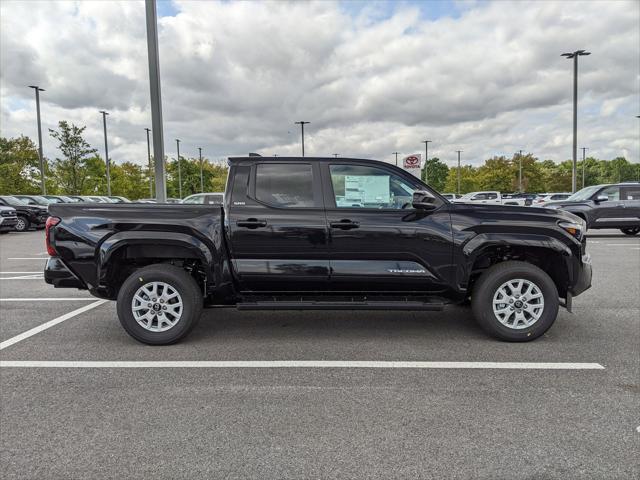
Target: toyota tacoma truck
[320,234]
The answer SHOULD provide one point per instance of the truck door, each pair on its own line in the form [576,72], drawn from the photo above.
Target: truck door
[277,227]
[611,212]
[377,240]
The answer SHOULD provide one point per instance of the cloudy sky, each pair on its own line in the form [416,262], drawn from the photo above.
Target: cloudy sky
[371,77]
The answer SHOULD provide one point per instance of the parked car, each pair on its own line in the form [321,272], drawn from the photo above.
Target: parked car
[451,196]
[28,215]
[528,198]
[549,197]
[118,199]
[35,200]
[8,219]
[489,197]
[76,198]
[146,200]
[606,206]
[213,198]
[58,198]
[290,237]
[173,200]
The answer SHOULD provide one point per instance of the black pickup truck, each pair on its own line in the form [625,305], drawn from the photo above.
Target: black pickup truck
[320,234]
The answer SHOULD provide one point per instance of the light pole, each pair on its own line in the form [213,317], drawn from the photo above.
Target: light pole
[156,98]
[149,158]
[520,171]
[41,158]
[426,160]
[574,56]
[335,155]
[106,150]
[459,152]
[584,150]
[302,124]
[201,179]
[179,170]
[396,154]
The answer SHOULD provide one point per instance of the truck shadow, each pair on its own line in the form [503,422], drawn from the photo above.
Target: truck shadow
[453,322]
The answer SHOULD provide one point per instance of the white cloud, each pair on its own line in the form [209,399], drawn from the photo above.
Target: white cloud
[236,75]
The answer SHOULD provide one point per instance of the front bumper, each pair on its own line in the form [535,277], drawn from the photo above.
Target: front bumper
[8,223]
[57,274]
[583,276]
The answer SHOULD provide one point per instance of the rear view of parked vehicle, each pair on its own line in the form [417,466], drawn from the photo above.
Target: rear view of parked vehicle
[213,198]
[549,197]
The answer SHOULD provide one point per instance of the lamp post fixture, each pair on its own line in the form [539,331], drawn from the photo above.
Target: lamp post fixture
[520,171]
[459,151]
[201,178]
[302,124]
[106,151]
[179,170]
[584,154]
[426,160]
[43,186]
[396,154]
[156,98]
[574,56]
[149,160]
[335,155]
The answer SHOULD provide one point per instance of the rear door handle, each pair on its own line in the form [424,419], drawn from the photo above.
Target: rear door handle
[251,223]
[344,224]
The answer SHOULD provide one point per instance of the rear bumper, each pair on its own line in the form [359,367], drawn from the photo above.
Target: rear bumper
[583,276]
[57,274]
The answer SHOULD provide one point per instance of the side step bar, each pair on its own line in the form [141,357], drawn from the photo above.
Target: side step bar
[289,305]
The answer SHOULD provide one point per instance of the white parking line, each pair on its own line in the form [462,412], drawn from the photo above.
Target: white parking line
[301,364]
[35,276]
[49,324]
[15,273]
[26,258]
[55,299]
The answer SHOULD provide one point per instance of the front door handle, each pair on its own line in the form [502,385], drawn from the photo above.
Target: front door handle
[251,223]
[344,224]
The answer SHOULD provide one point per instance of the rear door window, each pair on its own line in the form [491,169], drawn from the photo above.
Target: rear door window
[632,192]
[288,185]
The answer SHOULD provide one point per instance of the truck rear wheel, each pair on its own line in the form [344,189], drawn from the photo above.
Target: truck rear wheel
[515,301]
[159,304]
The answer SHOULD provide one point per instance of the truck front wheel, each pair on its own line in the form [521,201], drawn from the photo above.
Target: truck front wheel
[515,301]
[159,304]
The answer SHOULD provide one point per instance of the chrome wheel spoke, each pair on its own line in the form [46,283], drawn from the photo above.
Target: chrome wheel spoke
[151,308]
[518,303]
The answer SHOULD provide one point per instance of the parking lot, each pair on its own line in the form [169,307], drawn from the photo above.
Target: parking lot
[95,418]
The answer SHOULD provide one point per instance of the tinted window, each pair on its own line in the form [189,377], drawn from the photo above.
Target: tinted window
[369,187]
[214,199]
[240,184]
[631,192]
[612,192]
[285,185]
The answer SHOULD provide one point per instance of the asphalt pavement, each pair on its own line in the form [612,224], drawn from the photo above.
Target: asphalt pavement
[304,422]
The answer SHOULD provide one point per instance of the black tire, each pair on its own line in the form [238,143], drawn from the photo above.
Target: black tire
[23,224]
[630,230]
[497,275]
[179,280]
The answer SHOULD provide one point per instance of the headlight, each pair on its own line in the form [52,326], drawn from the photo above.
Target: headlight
[576,229]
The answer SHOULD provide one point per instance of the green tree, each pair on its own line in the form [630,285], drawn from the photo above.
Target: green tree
[438,172]
[70,172]
[468,180]
[496,174]
[19,166]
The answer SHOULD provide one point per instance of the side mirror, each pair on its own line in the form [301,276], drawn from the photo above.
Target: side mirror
[601,198]
[423,200]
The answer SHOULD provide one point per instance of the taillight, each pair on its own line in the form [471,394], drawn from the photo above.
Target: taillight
[51,222]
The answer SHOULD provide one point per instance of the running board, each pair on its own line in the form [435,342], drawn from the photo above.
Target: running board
[289,305]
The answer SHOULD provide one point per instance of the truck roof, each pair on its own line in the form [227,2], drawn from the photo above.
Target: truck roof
[254,159]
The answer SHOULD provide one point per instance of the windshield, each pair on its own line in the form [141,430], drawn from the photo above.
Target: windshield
[16,202]
[41,200]
[584,194]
